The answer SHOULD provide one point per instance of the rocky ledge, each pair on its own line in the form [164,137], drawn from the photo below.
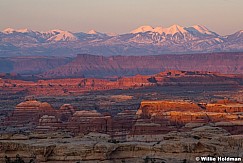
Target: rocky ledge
[174,147]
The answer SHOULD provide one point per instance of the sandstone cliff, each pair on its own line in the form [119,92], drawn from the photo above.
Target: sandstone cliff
[100,66]
[173,147]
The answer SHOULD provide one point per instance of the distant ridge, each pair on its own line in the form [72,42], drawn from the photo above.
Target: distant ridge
[144,40]
[86,65]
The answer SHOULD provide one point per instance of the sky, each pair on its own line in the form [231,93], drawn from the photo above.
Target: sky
[120,16]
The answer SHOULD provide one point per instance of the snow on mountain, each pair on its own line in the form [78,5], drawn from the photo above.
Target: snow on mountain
[236,38]
[175,29]
[175,33]
[62,36]
[196,29]
[54,32]
[93,32]
[99,34]
[52,35]
[202,29]
[8,30]
[170,30]
[111,34]
[144,40]
[238,34]
[25,30]
[143,29]
[11,30]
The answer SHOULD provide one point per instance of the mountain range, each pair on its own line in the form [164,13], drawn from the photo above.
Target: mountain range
[145,40]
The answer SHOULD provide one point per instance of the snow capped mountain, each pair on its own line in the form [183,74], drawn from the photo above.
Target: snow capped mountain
[240,33]
[59,35]
[25,30]
[144,40]
[237,35]
[173,30]
[196,29]
[235,40]
[175,33]
[142,29]
[202,29]
[93,32]
[49,36]
[8,30]
[199,30]
[11,30]
[97,34]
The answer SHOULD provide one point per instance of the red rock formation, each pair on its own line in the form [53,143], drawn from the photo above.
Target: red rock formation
[1,82]
[135,81]
[153,108]
[122,124]
[65,112]
[81,85]
[100,66]
[29,112]
[225,106]
[34,65]
[88,121]
[48,123]
[157,116]
[152,117]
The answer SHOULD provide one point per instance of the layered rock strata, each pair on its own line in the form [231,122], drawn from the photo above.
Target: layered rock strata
[75,86]
[174,147]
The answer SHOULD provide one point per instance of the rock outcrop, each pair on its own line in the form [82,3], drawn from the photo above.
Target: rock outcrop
[169,131]
[27,114]
[225,106]
[48,123]
[159,116]
[75,86]
[174,147]
[147,65]
[88,121]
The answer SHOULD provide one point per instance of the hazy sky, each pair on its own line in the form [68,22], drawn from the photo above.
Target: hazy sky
[120,16]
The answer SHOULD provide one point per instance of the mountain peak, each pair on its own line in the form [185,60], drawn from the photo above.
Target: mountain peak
[62,36]
[170,30]
[201,29]
[238,34]
[8,30]
[93,32]
[142,29]
[11,30]
[240,31]
[175,28]
[159,30]
[24,30]
[55,31]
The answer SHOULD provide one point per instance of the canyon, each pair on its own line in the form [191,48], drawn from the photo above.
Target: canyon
[171,116]
[149,94]
[169,131]
[72,86]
